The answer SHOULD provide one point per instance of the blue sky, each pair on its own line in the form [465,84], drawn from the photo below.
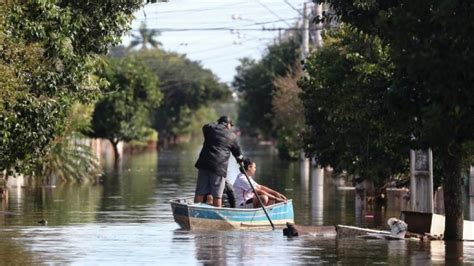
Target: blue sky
[206,30]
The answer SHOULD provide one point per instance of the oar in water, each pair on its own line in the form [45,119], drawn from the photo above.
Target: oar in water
[258,197]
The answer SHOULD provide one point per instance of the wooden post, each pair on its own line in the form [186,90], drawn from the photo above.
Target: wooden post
[421,180]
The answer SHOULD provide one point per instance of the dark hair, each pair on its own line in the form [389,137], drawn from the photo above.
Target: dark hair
[247,163]
[225,120]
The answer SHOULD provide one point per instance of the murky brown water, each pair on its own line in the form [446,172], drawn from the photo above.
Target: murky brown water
[126,219]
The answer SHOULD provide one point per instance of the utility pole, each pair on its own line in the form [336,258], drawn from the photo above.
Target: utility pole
[318,39]
[304,162]
[305,33]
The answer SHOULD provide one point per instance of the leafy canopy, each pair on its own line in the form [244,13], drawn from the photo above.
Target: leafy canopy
[186,87]
[48,51]
[122,114]
[345,97]
[254,83]
[430,45]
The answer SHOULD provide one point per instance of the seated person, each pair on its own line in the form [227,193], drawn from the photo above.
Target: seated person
[245,194]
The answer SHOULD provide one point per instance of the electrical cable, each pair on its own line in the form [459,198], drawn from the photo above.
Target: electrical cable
[292,7]
[271,11]
[195,10]
[222,29]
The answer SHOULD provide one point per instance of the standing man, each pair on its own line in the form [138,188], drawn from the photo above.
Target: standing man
[219,142]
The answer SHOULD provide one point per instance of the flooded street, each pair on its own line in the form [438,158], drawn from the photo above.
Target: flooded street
[127,219]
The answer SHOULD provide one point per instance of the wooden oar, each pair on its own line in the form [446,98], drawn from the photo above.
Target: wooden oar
[258,197]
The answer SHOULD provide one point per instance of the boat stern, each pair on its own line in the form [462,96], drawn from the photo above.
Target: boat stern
[181,212]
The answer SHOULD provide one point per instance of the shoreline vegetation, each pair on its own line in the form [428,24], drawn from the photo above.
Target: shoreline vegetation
[358,104]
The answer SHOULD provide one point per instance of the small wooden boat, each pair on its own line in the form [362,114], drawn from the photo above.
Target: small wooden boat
[201,216]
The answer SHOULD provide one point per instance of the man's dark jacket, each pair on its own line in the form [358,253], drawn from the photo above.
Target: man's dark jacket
[219,142]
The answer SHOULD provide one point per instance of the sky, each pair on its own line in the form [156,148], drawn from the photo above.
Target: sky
[218,32]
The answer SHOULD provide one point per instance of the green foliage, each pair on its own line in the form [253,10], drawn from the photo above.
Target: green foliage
[69,158]
[289,121]
[431,51]
[431,48]
[254,83]
[122,114]
[346,107]
[193,121]
[47,57]
[28,125]
[186,87]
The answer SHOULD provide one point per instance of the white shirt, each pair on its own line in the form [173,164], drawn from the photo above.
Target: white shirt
[243,190]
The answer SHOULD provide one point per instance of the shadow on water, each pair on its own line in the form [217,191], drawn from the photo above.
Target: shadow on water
[126,219]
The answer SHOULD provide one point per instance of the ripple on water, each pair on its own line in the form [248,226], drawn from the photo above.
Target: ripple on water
[128,220]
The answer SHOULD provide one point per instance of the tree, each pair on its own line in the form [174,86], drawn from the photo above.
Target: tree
[48,52]
[346,107]
[430,46]
[289,121]
[146,37]
[69,158]
[123,113]
[46,62]
[186,87]
[254,83]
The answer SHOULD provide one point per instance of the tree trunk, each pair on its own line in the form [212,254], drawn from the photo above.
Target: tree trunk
[116,152]
[162,139]
[453,193]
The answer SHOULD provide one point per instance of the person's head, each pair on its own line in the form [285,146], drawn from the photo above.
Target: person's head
[225,120]
[250,167]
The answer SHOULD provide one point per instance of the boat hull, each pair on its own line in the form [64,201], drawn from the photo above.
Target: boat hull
[192,216]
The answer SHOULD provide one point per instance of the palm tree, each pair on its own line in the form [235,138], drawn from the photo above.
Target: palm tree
[146,37]
[69,158]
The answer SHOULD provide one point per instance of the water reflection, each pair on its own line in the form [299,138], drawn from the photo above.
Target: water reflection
[454,252]
[126,219]
[317,195]
[304,196]
[471,208]
[211,249]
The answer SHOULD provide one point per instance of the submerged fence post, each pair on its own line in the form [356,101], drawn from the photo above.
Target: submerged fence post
[421,180]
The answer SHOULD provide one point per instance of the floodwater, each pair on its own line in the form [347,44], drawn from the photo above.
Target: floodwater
[126,220]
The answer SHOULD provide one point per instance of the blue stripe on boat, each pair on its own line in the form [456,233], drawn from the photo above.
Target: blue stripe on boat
[281,212]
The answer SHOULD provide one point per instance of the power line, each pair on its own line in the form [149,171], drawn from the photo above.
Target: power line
[292,7]
[240,28]
[255,23]
[220,47]
[249,10]
[279,20]
[208,50]
[220,29]
[271,11]
[229,56]
[196,9]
